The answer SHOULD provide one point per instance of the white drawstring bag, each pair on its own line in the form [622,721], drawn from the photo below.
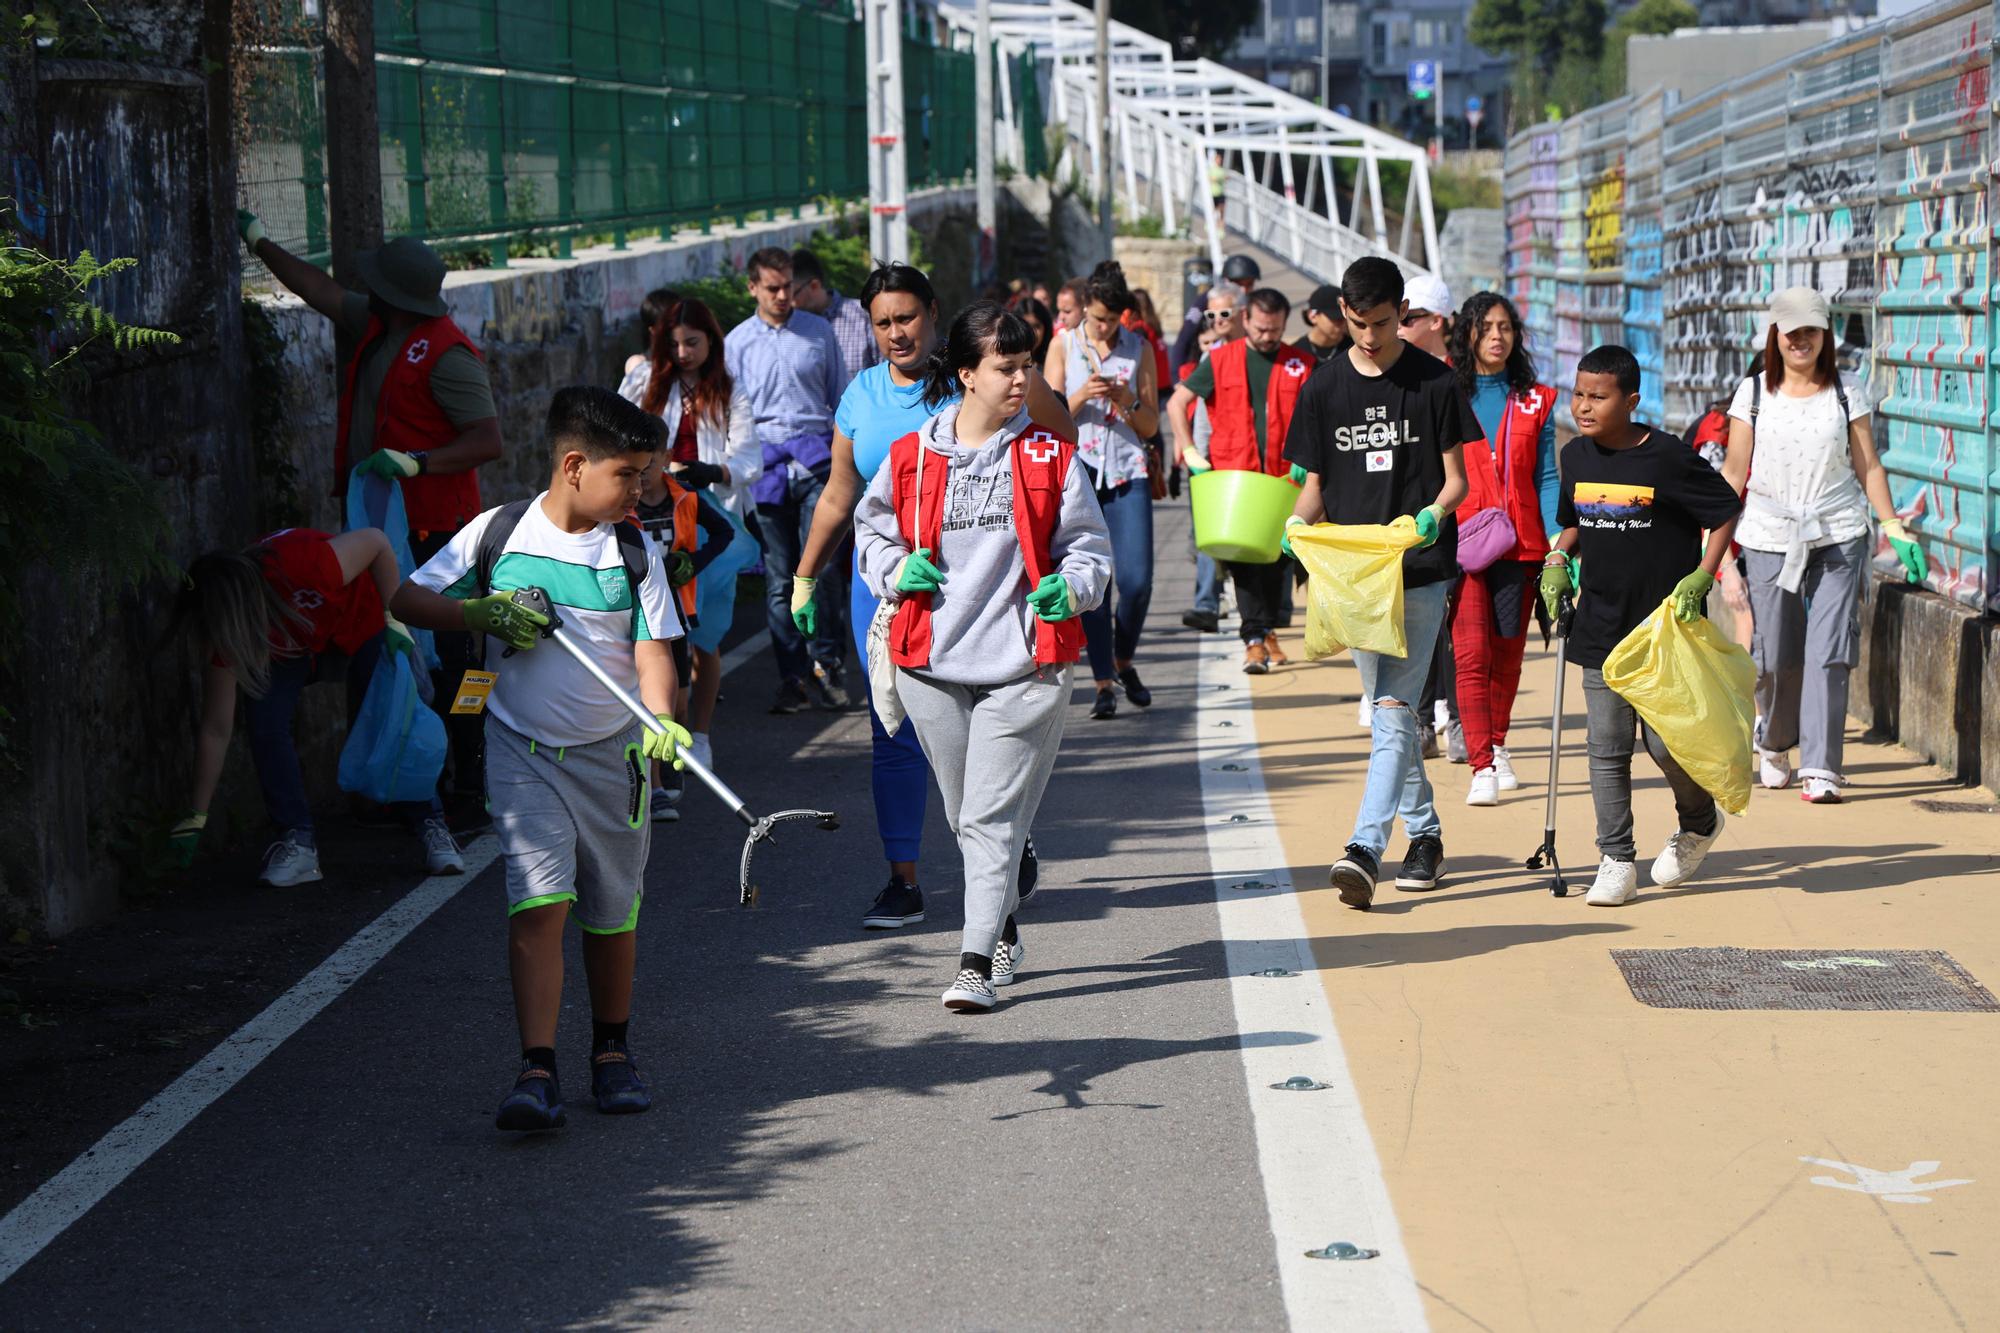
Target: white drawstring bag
[881,668]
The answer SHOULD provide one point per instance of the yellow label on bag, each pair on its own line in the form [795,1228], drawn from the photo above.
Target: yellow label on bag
[472,692]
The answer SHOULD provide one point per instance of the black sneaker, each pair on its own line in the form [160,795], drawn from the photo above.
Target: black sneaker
[1106,705]
[1423,865]
[1354,875]
[1205,621]
[900,903]
[828,690]
[1140,696]
[534,1104]
[1031,874]
[615,1081]
[791,699]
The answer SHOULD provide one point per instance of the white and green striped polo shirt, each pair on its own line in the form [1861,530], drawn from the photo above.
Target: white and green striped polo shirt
[543,693]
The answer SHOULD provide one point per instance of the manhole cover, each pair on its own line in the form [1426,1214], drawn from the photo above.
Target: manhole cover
[1928,980]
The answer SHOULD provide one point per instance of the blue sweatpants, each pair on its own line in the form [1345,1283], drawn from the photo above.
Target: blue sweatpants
[902,777]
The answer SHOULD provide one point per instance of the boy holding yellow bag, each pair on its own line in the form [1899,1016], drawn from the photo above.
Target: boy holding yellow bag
[1633,503]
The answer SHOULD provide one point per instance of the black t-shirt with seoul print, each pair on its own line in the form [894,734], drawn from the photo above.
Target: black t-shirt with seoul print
[1378,442]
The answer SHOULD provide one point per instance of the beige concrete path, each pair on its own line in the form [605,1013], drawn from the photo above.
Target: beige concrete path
[1563,1157]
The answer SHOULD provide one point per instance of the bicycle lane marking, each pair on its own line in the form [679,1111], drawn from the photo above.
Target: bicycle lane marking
[1323,1181]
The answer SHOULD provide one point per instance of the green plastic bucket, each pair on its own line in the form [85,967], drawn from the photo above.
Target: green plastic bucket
[1240,515]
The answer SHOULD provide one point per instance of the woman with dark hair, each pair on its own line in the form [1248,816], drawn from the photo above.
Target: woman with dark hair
[983,531]
[1503,530]
[882,404]
[713,451]
[651,311]
[1041,321]
[1805,539]
[296,609]
[1106,373]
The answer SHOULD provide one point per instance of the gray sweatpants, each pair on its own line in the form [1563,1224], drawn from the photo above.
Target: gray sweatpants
[1805,643]
[992,748]
[1611,724]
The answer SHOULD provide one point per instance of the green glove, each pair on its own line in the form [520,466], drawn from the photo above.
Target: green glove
[1052,599]
[917,574]
[1915,567]
[1285,542]
[500,615]
[183,838]
[396,637]
[665,744]
[1690,593]
[249,227]
[805,611]
[1299,475]
[1555,585]
[1428,519]
[389,464]
[680,568]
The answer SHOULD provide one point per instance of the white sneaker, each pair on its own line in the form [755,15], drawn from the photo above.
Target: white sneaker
[664,811]
[441,855]
[970,993]
[1774,769]
[1454,743]
[1683,855]
[1007,962]
[1364,716]
[1617,883]
[1503,769]
[1485,788]
[1820,791]
[289,862]
[1440,715]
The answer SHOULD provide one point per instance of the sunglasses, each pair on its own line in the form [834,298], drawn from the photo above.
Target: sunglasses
[1219,316]
[1415,317]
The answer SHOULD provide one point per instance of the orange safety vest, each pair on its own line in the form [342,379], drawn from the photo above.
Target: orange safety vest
[1041,467]
[408,418]
[1232,447]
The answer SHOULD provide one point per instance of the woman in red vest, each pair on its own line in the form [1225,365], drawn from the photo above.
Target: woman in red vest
[984,533]
[1502,530]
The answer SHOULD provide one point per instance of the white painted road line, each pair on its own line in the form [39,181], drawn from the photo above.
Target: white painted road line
[1322,1179]
[78,1187]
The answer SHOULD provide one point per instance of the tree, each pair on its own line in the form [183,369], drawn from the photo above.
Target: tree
[1195,27]
[1648,18]
[1556,45]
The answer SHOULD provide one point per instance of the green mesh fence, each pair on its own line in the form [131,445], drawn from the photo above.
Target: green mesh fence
[508,119]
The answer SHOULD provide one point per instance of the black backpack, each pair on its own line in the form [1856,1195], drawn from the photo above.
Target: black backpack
[493,541]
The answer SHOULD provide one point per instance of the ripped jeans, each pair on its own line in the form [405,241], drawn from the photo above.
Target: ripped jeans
[1396,780]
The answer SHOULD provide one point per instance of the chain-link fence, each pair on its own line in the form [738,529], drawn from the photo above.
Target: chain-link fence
[501,120]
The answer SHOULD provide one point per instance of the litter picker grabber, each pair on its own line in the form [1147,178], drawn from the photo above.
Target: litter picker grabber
[1546,853]
[760,828]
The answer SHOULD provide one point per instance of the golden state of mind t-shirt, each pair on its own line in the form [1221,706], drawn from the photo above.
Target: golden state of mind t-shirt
[543,693]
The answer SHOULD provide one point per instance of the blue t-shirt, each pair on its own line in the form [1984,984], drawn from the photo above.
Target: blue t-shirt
[875,412]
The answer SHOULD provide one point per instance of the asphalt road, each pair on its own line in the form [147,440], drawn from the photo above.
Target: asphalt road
[829,1148]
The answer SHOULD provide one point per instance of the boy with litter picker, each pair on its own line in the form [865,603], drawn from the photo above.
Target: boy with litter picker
[565,762]
[1632,506]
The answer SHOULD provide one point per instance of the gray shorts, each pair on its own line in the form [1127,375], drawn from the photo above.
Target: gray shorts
[572,823]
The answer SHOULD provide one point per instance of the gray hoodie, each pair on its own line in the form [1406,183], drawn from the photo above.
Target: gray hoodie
[982,632]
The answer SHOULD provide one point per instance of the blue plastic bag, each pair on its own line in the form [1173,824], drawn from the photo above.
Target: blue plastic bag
[377,502]
[396,747]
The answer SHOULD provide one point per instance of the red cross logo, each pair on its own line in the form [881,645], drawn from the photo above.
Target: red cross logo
[1041,447]
[1296,369]
[1532,399]
[306,599]
[419,349]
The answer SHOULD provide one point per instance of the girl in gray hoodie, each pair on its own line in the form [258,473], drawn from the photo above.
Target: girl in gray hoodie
[986,536]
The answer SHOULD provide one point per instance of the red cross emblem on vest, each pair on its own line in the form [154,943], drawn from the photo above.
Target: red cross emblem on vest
[1041,447]
[419,349]
[1532,399]
[1295,369]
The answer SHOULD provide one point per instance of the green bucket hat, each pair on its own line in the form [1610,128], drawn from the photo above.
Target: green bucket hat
[406,273]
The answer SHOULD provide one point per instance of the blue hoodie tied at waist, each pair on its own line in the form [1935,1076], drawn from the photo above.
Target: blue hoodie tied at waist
[814,453]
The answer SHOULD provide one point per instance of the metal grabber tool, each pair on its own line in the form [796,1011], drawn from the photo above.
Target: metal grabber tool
[760,828]
[1546,853]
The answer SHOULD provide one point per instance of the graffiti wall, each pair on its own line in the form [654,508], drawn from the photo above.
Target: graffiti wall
[1863,169]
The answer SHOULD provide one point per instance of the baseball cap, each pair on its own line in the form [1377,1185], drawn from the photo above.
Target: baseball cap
[1798,308]
[1426,292]
[1325,300]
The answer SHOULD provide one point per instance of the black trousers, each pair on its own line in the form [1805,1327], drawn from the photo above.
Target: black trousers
[1260,594]
[465,774]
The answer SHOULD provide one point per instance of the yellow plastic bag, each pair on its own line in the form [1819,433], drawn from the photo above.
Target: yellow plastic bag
[1692,686]
[1354,591]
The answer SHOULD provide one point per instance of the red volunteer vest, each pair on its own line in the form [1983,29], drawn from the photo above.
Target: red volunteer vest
[1520,434]
[1233,445]
[406,418]
[1041,466]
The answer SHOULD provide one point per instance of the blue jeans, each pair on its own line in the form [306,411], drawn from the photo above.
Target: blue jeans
[901,775]
[268,724]
[1396,780]
[782,529]
[1128,514]
[1207,580]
